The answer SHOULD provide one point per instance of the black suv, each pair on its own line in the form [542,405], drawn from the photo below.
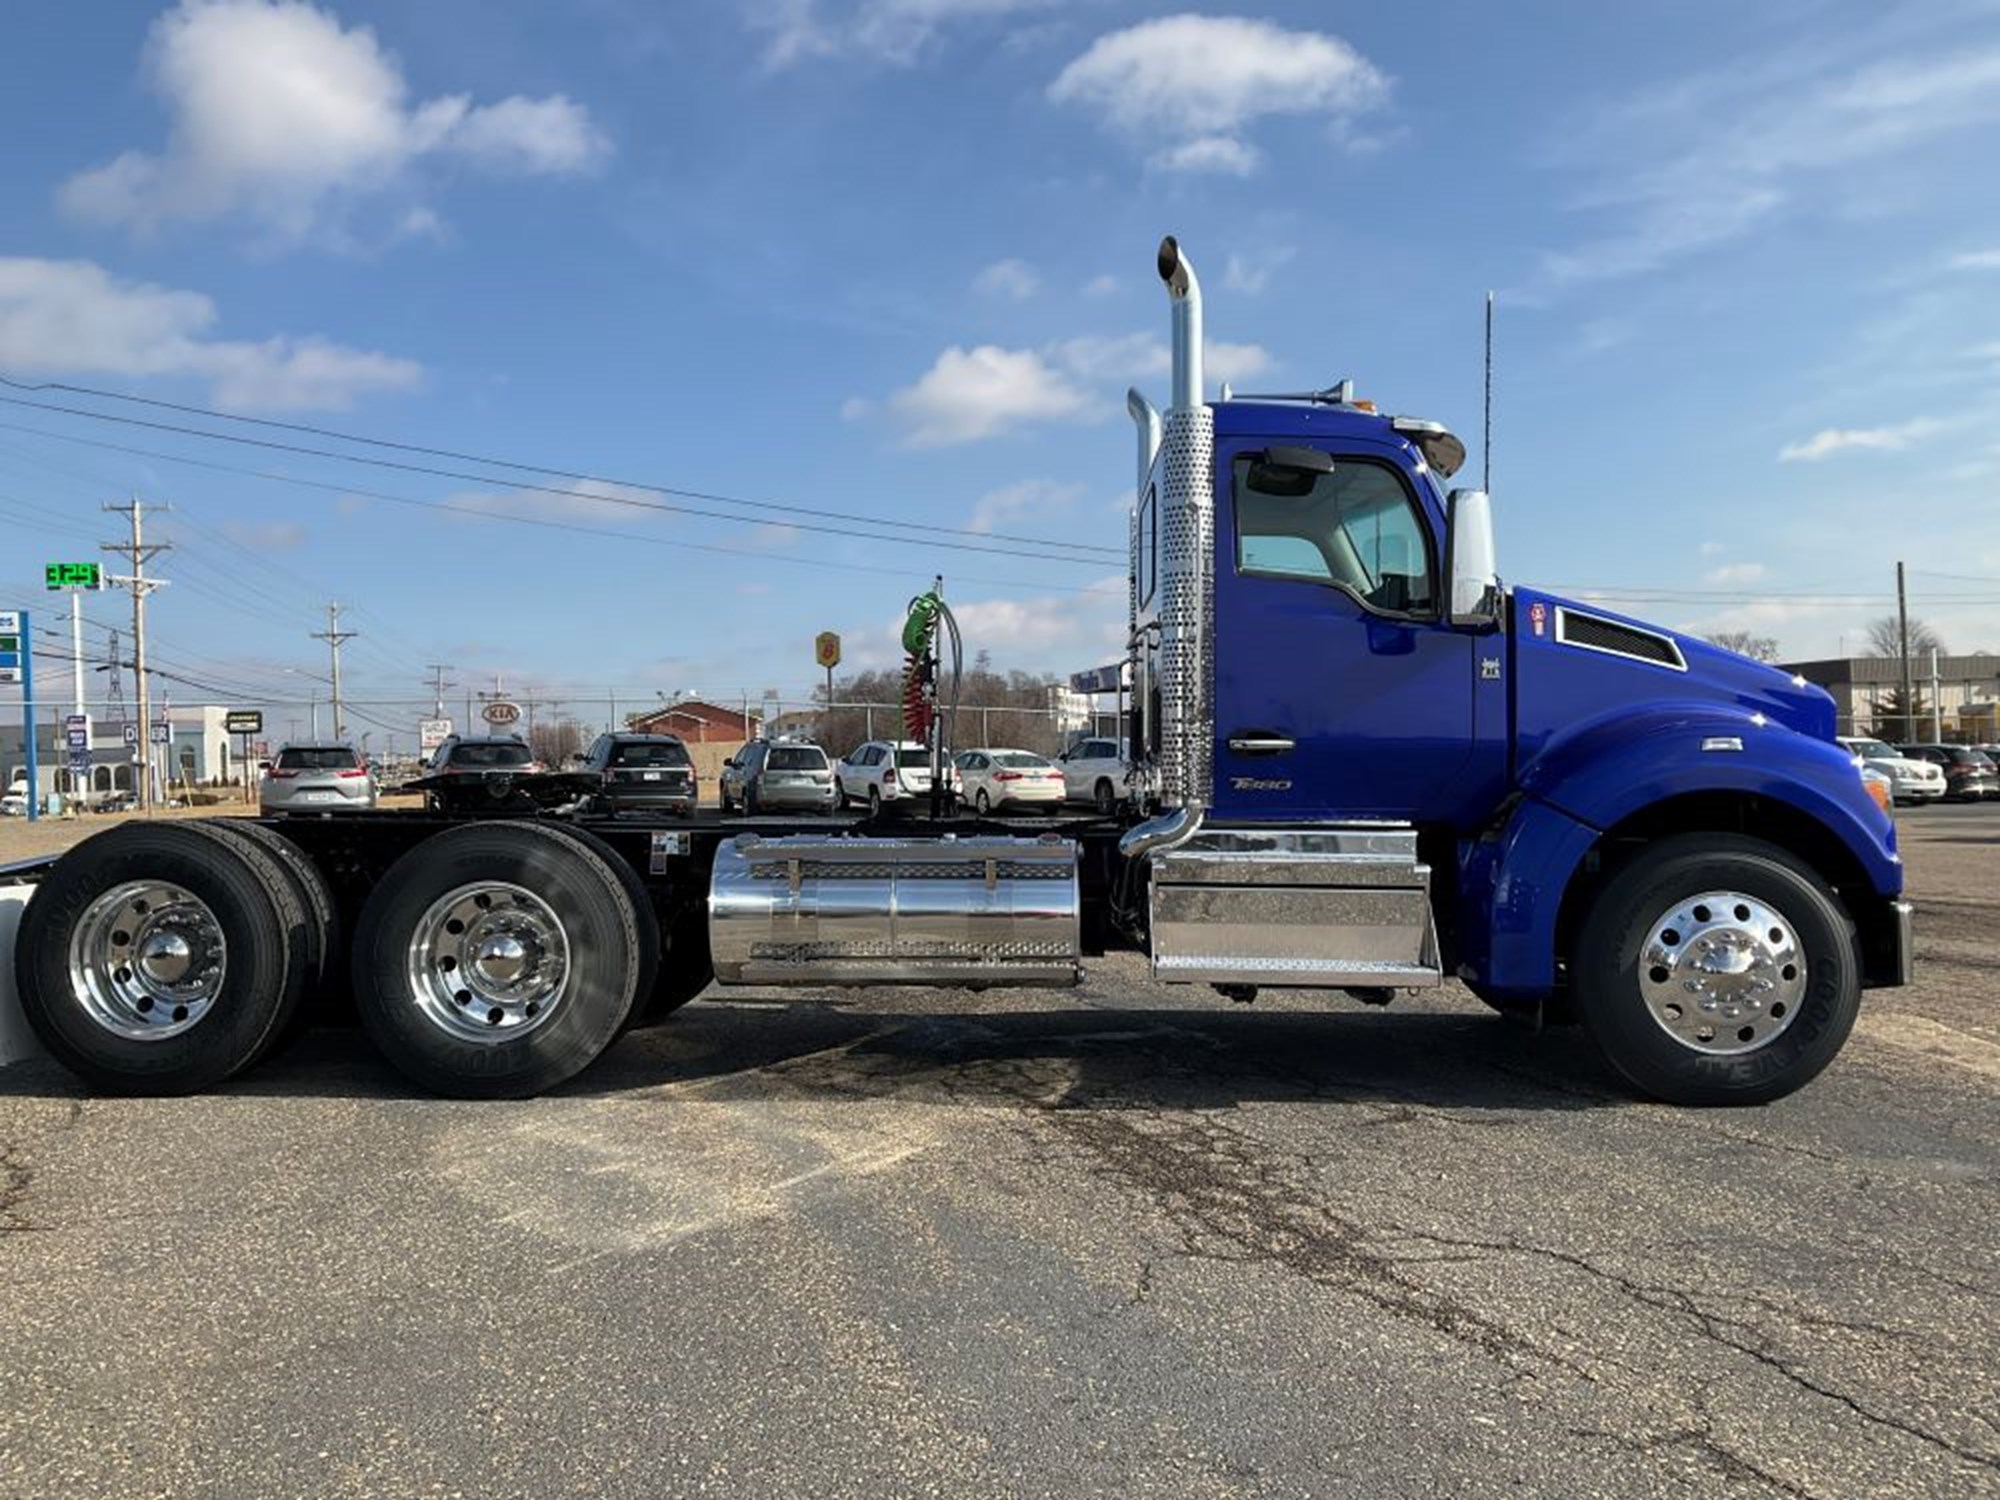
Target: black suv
[650,772]
[1968,775]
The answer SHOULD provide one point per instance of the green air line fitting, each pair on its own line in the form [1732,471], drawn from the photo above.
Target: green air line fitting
[920,624]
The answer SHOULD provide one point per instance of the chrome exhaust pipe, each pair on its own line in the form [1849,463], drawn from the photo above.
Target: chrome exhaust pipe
[1184,291]
[1146,417]
[1157,835]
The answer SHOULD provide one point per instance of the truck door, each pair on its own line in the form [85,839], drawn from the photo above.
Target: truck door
[1339,689]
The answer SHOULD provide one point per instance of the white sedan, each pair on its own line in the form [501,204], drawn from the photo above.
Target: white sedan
[998,778]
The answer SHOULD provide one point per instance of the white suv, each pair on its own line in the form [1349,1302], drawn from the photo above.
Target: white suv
[1094,771]
[884,771]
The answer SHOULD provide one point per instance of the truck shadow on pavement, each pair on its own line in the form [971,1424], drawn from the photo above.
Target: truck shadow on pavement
[1097,1059]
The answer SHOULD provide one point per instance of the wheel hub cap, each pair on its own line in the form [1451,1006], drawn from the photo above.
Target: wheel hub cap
[489,962]
[147,960]
[1722,973]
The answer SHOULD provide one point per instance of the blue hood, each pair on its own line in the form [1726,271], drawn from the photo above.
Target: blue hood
[1578,663]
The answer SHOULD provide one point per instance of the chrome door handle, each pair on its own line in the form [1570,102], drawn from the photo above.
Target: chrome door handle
[1244,744]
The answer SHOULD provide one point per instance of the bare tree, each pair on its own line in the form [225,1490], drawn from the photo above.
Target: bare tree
[553,743]
[1746,643]
[1885,638]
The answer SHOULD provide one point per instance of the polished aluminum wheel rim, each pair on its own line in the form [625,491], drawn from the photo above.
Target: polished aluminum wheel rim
[1722,973]
[489,962]
[147,960]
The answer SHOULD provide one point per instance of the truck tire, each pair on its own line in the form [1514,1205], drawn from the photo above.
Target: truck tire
[497,959]
[1716,969]
[652,942]
[324,942]
[161,958]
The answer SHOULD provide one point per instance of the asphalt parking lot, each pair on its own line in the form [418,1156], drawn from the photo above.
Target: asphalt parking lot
[1120,1241]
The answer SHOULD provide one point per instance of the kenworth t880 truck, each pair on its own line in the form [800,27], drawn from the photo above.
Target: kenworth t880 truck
[1359,763]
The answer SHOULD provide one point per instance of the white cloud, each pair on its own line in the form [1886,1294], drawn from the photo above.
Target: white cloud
[281,115]
[1831,440]
[1011,278]
[1026,499]
[970,394]
[1251,273]
[1731,574]
[1102,286]
[1710,158]
[1197,83]
[898,32]
[574,500]
[1976,260]
[976,393]
[70,318]
[1224,155]
[268,536]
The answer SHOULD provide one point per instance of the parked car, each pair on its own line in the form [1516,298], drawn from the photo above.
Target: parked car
[887,771]
[769,775]
[1968,775]
[640,772]
[483,755]
[15,803]
[1094,771]
[1009,778]
[321,777]
[1910,779]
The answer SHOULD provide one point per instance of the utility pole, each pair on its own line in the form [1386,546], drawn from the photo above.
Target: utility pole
[138,552]
[1903,652]
[333,635]
[1486,441]
[438,685]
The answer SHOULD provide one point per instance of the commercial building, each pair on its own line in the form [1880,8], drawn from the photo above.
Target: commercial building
[1956,699]
[198,752]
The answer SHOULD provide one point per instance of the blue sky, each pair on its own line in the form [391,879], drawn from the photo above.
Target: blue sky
[892,258]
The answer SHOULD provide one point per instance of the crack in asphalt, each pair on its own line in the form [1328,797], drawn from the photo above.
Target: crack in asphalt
[1713,1325]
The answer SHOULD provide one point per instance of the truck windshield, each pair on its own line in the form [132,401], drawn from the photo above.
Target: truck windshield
[642,754]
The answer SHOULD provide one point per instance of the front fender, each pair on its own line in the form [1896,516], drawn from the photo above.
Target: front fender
[1590,780]
[1606,770]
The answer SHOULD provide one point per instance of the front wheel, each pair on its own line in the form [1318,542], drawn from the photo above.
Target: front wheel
[1106,798]
[983,802]
[1715,969]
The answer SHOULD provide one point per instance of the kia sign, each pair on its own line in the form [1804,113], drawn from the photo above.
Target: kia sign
[501,714]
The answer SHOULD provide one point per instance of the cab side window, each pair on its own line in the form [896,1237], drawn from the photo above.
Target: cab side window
[1356,528]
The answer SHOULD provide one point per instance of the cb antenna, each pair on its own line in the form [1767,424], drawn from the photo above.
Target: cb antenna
[1486,442]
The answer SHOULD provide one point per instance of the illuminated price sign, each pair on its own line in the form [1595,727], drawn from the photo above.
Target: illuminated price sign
[74,575]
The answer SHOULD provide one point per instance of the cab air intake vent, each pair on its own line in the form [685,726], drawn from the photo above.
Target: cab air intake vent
[1614,638]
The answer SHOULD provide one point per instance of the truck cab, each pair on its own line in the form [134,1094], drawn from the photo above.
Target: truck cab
[1371,763]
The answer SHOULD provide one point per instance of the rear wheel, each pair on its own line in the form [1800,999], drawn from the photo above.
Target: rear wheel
[499,959]
[1715,969]
[874,802]
[161,958]
[1106,797]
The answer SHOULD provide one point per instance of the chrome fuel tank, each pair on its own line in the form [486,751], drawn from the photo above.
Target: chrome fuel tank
[810,910]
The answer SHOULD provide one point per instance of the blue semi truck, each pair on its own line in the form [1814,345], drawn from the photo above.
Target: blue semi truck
[1359,763]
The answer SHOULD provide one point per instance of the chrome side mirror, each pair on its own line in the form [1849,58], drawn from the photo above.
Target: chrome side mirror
[1469,560]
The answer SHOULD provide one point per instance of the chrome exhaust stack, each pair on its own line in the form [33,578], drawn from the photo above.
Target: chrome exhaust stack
[1184,664]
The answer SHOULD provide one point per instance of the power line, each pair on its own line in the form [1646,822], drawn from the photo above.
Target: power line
[889,534]
[486,515]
